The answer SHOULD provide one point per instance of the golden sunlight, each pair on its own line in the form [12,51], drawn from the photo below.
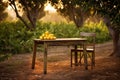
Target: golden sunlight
[49,8]
[4,0]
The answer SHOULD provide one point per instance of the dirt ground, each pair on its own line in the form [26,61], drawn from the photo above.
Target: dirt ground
[18,67]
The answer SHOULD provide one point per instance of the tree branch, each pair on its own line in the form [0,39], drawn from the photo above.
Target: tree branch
[13,5]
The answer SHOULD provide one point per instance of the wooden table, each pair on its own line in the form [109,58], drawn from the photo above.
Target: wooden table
[58,42]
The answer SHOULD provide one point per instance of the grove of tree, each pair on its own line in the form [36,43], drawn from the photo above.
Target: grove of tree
[75,10]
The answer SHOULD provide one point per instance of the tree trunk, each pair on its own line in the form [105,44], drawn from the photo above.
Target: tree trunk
[116,44]
[115,34]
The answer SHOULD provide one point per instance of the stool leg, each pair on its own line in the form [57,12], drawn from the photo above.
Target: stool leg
[80,58]
[71,59]
[93,60]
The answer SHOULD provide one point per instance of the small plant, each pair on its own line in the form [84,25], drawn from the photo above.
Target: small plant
[4,56]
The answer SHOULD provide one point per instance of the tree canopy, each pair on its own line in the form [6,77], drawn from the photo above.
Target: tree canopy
[79,10]
[32,9]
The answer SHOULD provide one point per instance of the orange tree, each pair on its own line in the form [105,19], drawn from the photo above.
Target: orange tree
[79,10]
[32,9]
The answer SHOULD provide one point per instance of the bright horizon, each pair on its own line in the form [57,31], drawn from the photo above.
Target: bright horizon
[48,8]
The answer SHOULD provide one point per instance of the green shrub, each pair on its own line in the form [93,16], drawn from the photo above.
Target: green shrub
[15,38]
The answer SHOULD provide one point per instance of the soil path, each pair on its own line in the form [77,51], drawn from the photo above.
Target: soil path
[18,67]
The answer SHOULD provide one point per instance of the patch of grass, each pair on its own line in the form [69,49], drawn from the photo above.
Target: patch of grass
[4,56]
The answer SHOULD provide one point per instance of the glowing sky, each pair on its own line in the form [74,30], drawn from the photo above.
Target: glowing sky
[49,8]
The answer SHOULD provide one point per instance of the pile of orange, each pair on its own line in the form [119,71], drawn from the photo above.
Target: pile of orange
[47,36]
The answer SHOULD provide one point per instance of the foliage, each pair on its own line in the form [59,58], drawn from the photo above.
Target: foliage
[15,38]
[111,9]
[68,30]
[102,34]
[73,9]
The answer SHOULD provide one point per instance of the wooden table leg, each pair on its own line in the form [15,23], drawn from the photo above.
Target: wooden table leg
[76,56]
[85,57]
[45,58]
[34,55]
